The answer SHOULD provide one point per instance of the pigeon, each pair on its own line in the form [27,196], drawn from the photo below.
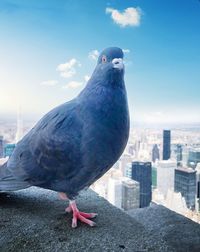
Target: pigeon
[75,143]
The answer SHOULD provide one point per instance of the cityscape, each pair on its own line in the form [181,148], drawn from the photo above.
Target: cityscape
[158,166]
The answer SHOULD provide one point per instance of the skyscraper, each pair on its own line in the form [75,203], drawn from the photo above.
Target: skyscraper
[198,188]
[185,154]
[124,160]
[142,172]
[166,144]
[128,172]
[130,194]
[185,183]
[165,176]
[115,192]
[179,153]
[19,132]
[155,153]
[154,177]
[131,149]
[194,158]
[8,150]
[1,146]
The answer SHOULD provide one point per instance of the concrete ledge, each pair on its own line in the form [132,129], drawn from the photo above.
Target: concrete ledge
[34,220]
[177,231]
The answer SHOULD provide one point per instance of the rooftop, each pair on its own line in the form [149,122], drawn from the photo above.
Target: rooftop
[195,150]
[186,169]
[166,163]
[34,220]
[129,182]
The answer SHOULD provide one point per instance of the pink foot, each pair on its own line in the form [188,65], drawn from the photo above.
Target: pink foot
[62,196]
[77,215]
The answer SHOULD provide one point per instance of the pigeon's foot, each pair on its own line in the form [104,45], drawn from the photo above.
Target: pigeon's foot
[62,196]
[77,215]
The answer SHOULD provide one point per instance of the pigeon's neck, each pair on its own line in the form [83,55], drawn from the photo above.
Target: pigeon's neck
[100,90]
[101,80]
[105,81]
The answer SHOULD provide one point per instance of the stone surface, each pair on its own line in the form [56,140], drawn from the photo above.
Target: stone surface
[176,230]
[34,220]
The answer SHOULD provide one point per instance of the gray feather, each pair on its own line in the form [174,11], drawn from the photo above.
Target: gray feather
[10,183]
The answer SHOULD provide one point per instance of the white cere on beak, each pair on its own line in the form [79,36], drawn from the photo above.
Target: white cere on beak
[118,63]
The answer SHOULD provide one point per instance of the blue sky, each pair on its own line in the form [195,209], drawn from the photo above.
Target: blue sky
[44,48]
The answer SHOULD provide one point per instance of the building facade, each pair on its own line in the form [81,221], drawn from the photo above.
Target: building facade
[185,183]
[193,158]
[130,194]
[155,153]
[8,150]
[124,160]
[166,144]
[198,188]
[154,177]
[142,173]
[165,176]
[115,192]
[179,153]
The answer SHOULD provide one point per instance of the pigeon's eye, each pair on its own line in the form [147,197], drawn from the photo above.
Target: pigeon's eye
[104,59]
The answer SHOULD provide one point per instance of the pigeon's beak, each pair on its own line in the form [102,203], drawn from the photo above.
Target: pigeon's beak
[118,63]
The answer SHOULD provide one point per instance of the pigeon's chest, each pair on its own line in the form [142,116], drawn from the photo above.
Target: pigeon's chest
[113,115]
[107,126]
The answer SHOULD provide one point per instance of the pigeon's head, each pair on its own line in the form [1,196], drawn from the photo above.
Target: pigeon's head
[112,56]
[110,64]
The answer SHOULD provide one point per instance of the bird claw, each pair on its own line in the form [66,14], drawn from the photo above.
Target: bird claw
[88,215]
[68,209]
[82,216]
[79,216]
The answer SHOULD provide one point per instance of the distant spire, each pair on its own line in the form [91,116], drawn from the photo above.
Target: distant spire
[19,132]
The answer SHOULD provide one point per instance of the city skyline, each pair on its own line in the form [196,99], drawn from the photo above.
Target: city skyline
[49,51]
[159,184]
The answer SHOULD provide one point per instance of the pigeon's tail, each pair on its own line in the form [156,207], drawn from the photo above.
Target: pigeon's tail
[10,183]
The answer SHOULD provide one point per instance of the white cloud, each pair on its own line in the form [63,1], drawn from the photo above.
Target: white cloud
[68,69]
[129,17]
[73,84]
[49,83]
[126,50]
[93,55]
[86,78]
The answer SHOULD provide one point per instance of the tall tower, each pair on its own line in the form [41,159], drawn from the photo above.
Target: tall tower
[198,187]
[19,132]
[166,144]
[165,176]
[142,172]
[179,151]
[155,153]
[185,183]
[115,192]
[124,160]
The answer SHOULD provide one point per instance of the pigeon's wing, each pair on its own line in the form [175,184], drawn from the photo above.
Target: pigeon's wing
[49,150]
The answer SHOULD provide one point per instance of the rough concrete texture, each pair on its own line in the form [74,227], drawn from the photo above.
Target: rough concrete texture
[34,220]
[177,231]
